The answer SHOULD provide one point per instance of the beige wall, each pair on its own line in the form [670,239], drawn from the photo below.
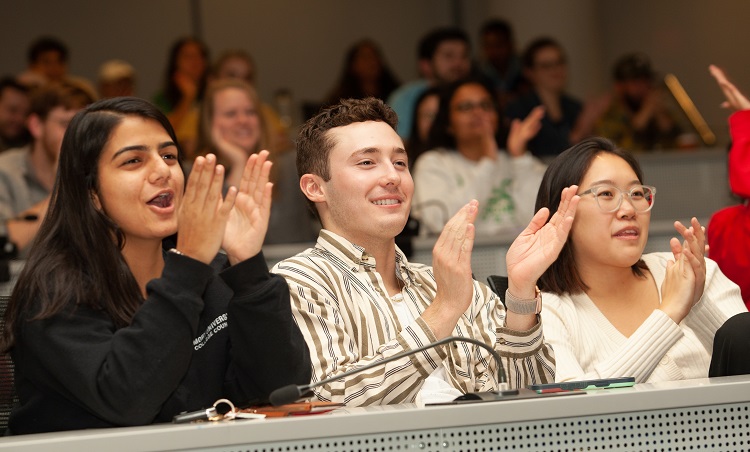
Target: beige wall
[300,44]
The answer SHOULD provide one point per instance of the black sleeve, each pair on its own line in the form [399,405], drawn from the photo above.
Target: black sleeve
[268,350]
[122,376]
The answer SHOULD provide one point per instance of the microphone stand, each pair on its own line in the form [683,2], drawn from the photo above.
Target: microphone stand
[291,393]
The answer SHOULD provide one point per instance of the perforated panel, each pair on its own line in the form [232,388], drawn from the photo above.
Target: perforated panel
[715,428]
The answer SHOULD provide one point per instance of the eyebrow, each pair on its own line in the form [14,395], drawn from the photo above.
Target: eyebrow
[611,182]
[372,150]
[142,148]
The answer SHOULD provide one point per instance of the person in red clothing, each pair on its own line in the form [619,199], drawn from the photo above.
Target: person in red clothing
[729,228]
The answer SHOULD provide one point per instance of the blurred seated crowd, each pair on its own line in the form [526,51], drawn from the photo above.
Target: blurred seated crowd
[476,123]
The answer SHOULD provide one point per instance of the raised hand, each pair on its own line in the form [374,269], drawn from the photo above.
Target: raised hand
[694,238]
[678,288]
[523,131]
[248,220]
[735,99]
[451,261]
[203,214]
[537,247]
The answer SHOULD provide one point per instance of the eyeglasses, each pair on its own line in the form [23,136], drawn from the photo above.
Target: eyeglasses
[609,197]
[485,105]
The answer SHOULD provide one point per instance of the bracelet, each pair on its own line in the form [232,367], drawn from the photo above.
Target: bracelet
[524,306]
[175,251]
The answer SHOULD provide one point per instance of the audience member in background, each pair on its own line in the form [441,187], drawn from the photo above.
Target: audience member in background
[14,109]
[729,228]
[232,127]
[47,62]
[545,66]
[425,111]
[183,87]
[27,174]
[609,309]
[238,64]
[105,326]
[466,161]
[365,73]
[444,56]
[358,300]
[637,115]
[499,61]
[48,59]
[116,78]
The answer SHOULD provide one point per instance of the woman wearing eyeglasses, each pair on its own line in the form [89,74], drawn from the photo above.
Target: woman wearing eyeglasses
[609,309]
[466,162]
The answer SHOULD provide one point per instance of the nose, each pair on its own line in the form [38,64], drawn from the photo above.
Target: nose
[160,171]
[391,176]
[626,210]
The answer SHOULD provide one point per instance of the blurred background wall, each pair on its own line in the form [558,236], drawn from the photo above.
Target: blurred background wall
[299,45]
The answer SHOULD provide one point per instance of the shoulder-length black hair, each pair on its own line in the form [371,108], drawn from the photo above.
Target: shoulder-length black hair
[76,257]
[172,92]
[349,85]
[441,135]
[567,169]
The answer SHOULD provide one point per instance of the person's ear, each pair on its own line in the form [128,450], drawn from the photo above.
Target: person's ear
[34,124]
[95,200]
[312,187]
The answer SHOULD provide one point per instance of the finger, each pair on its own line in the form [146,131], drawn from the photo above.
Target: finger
[195,174]
[676,247]
[700,233]
[255,179]
[247,174]
[265,205]
[265,174]
[216,186]
[467,245]
[228,203]
[205,179]
[695,263]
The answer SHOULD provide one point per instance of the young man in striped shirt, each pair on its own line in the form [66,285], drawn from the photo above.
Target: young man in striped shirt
[358,300]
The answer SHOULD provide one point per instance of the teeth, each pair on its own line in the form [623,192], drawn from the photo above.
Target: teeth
[386,202]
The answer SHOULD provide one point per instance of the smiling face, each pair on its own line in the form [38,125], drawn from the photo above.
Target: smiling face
[368,196]
[140,181]
[609,238]
[236,117]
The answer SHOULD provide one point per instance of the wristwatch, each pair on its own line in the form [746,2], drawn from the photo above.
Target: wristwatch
[524,306]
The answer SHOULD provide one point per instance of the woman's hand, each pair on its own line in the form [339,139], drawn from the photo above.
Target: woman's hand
[694,238]
[523,131]
[229,151]
[538,246]
[735,99]
[451,262]
[203,214]
[248,220]
[678,288]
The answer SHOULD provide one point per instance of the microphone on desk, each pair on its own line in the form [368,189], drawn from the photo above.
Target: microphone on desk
[291,393]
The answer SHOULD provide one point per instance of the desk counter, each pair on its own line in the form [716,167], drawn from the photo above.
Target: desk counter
[711,414]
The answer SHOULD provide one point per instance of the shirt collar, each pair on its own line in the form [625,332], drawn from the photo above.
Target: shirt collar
[358,259]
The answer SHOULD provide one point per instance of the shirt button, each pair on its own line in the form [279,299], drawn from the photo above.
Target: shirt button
[664,361]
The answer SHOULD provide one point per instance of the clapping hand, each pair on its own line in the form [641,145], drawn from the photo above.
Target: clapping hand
[694,239]
[538,246]
[248,220]
[523,131]
[735,99]
[451,260]
[203,214]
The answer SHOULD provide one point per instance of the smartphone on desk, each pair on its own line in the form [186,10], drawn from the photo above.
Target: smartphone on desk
[603,383]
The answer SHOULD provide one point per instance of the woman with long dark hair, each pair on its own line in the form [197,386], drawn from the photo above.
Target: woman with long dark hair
[124,313]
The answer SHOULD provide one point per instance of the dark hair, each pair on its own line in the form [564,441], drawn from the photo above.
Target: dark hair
[440,133]
[314,144]
[172,93]
[76,257]
[12,83]
[350,86]
[47,44]
[67,94]
[430,42]
[499,26]
[567,169]
[415,146]
[529,54]
[633,66]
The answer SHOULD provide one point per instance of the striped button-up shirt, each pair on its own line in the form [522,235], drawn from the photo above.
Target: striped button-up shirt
[341,304]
